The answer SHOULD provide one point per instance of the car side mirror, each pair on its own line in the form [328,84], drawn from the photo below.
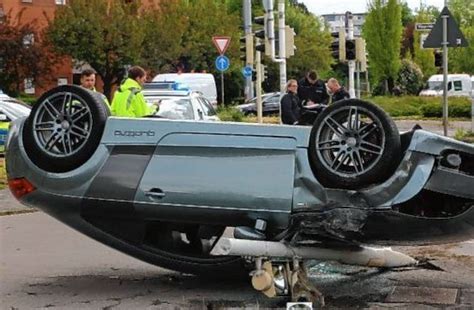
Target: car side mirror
[201,115]
[3,118]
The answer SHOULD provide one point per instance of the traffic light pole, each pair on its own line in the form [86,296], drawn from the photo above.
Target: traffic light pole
[358,79]
[445,71]
[282,40]
[258,86]
[351,63]
[247,13]
[282,43]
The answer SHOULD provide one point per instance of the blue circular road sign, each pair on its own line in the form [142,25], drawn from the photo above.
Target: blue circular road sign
[222,63]
[247,71]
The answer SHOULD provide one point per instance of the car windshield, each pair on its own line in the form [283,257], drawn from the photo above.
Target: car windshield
[176,108]
[435,85]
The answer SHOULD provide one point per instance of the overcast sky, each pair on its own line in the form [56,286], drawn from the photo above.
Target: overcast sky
[320,7]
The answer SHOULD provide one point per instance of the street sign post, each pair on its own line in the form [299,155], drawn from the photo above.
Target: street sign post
[445,33]
[221,43]
[222,64]
[424,26]
[247,72]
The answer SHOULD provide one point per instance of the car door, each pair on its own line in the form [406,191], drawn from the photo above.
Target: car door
[228,178]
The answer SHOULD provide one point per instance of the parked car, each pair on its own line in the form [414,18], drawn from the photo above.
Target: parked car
[10,109]
[201,82]
[165,191]
[458,85]
[178,102]
[270,105]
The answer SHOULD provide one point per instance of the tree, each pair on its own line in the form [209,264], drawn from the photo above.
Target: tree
[410,78]
[461,60]
[164,29]
[407,14]
[23,54]
[108,35]
[382,30]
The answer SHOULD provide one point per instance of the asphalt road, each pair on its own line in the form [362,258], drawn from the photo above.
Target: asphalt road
[45,264]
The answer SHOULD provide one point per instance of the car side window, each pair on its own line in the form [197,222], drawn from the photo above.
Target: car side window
[200,106]
[208,107]
[457,85]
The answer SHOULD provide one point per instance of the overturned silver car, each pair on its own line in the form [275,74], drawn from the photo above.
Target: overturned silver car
[165,191]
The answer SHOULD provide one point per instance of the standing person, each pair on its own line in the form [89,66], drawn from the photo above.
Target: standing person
[290,104]
[88,82]
[312,90]
[336,92]
[128,99]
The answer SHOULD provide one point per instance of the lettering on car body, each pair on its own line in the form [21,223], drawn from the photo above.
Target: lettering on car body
[134,133]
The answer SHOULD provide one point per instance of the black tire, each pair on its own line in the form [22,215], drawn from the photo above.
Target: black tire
[64,128]
[353,144]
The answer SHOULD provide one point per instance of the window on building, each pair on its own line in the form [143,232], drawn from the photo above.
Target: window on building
[29,86]
[62,81]
[27,1]
[29,40]
[60,2]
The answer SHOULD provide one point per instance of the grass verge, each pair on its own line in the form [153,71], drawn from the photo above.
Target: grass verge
[464,135]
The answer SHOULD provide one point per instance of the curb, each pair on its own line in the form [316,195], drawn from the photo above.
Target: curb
[15,212]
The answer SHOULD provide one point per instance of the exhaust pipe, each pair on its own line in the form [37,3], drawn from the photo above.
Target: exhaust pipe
[364,256]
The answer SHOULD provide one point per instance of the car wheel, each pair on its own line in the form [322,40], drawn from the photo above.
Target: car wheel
[353,144]
[64,128]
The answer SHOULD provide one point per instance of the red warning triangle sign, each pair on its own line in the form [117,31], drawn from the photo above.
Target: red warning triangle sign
[221,43]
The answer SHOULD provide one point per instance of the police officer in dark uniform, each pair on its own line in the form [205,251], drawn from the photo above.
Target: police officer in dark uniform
[311,90]
[335,91]
[290,104]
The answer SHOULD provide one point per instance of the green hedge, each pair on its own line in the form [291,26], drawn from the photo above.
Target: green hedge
[422,106]
[230,114]
[27,99]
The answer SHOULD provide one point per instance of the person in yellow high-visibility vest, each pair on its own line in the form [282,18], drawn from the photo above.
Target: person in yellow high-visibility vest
[128,99]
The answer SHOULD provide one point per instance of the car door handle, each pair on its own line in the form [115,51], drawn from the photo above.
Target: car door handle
[155,193]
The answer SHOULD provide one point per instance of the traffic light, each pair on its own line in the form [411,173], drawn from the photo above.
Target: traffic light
[261,33]
[290,41]
[438,55]
[254,75]
[246,47]
[338,44]
[350,50]
[243,49]
[360,49]
[260,47]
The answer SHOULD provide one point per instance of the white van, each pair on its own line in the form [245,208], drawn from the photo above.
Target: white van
[201,82]
[458,85]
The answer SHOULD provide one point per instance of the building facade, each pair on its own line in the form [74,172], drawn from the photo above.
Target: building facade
[337,20]
[67,71]
[39,11]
